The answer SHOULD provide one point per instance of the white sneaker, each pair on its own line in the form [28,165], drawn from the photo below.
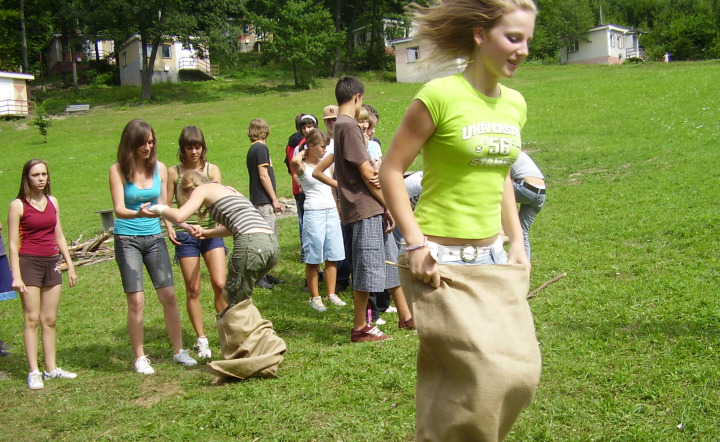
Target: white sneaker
[203,348]
[59,373]
[391,309]
[34,380]
[380,321]
[317,304]
[142,365]
[184,358]
[335,300]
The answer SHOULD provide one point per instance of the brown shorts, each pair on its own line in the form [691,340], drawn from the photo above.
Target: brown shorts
[40,271]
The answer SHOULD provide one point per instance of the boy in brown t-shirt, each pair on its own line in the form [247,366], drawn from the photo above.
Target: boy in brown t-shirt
[362,207]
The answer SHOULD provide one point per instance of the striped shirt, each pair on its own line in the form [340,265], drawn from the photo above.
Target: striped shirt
[237,214]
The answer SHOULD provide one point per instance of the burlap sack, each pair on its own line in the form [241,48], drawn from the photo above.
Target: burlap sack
[479,360]
[248,343]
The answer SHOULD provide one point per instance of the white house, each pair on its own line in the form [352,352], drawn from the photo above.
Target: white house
[14,93]
[171,62]
[605,44]
[410,66]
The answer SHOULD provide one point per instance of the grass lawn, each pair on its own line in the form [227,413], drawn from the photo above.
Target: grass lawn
[630,338]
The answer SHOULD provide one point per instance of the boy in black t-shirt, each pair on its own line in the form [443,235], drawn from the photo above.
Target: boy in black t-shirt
[262,183]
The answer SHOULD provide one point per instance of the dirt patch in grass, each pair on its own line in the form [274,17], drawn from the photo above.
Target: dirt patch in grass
[152,393]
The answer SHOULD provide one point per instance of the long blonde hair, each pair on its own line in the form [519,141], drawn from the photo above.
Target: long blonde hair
[448,24]
[189,181]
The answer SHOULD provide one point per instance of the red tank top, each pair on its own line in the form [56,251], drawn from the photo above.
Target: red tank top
[37,230]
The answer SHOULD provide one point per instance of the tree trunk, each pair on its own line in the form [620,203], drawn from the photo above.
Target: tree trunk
[295,74]
[23,39]
[338,45]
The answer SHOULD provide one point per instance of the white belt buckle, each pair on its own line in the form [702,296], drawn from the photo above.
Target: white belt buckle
[468,253]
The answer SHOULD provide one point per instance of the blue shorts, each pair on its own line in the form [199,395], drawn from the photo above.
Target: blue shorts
[131,252]
[193,247]
[322,236]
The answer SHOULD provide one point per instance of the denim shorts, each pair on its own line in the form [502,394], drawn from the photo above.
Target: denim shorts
[322,236]
[193,247]
[131,252]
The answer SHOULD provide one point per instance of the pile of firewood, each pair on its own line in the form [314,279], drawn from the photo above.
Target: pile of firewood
[91,251]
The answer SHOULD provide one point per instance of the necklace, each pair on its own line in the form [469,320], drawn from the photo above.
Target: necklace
[39,204]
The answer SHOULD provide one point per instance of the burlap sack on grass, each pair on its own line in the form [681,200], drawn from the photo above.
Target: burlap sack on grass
[248,343]
[479,360]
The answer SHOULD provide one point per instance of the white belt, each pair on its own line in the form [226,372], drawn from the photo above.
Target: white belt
[465,253]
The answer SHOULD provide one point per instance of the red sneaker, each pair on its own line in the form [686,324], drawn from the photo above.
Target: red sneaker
[368,333]
[409,324]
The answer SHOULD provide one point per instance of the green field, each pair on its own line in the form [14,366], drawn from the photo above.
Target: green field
[630,338]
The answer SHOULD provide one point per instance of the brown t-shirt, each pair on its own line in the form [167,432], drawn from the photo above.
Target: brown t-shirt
[356,201]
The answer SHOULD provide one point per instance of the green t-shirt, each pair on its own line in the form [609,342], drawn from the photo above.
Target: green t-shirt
[466,160]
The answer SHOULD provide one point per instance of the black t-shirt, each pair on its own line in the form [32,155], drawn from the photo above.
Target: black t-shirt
[257,156]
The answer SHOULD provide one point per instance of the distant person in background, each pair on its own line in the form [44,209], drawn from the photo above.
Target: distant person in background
[138,178]
[529,185]
[262,184]
[37,247]
[192,153]
[322,236]
[293,141]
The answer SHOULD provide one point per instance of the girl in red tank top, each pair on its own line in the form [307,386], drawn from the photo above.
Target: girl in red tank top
[36,243]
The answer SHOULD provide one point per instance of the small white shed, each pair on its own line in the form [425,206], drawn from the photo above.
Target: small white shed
[14,93]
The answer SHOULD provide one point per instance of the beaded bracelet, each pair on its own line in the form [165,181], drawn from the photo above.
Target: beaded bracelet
[418,246]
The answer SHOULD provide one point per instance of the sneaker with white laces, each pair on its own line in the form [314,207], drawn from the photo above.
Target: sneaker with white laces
[35,381]
[368,333]
[58,373]
[142,365]
[380,321]
[335,300]
[317,304]
[203,348]
[391,309]
[184,358]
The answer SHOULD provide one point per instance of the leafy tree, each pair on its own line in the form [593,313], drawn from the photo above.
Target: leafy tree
[560,23]
[42,121]
[303,35]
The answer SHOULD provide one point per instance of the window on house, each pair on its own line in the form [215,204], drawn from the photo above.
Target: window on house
[361,38]
[612,41]
[246,29]
[413,54]
[165,51]
[620,42]
[124,59]
[574,46]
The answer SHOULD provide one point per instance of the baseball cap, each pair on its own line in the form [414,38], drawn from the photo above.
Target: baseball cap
[330,111]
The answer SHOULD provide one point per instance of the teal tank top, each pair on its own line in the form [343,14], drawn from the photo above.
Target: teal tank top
[134,198]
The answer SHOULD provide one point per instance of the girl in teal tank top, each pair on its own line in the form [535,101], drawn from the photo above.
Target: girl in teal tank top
[135,180]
